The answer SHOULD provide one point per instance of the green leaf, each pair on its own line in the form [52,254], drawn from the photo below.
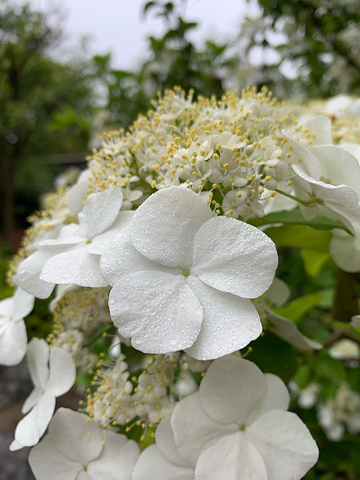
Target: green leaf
[328,368]
[273,355]
[297,308]
[295,217]
[313,261]
[300,237]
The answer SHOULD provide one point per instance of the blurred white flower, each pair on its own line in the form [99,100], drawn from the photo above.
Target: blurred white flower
[53,374]
[76,449]
[236,426]
[13,337]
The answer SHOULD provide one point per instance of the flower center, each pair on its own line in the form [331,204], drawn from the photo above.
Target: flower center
[242,428]
[186,273]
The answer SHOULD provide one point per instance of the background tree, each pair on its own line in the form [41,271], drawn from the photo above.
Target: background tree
[307,47]
[45,104]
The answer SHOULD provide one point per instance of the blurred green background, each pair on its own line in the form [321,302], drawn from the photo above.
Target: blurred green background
[52,112]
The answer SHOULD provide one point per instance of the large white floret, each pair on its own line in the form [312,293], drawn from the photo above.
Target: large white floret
[182,277]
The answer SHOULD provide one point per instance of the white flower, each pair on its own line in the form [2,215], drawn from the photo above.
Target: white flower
[72,256]
[13,337]
[76,449]
[53,374]
[182,277]
[236,426]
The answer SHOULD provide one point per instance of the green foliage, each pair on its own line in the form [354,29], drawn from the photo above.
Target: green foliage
[320,42]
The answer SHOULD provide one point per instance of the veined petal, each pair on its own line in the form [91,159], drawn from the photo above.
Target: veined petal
[77,267]
[100,211]
[152,465]
[229,322]
[234,257]
[33,425]
[285,444]
[230,389]
[194,431]
[62,372]
[232,457]
[165,225]
[38,357]
[157,310]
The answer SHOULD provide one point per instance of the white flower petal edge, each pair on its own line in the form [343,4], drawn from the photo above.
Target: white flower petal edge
[53,374]
[13,337]
[75,448]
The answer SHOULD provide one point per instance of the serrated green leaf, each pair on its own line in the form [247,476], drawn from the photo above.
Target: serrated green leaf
[300,237]
[313,261]
[273,355]
[297,308]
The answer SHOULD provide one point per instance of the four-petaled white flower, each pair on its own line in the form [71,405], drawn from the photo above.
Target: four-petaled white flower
[53,374]
[236,426]
[13,337]
[76,449]
[71,255]
[182,277]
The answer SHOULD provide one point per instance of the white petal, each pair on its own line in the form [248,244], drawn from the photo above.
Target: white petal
[194,430]
[232,457]
[122,258]
[345,250]
[339,166]
[28,274]
[101,243]
[77,267]
[32,399]
[47,463]
[230,389]
[308,159]
[62,372]
[13,342]
[100,211]
[285,444]
[166,442]
[75,437]
[229,322]
[165,225]
[23,303]
[234,257]
[33,425]
[321,126]
[277,397]
[6,309]
[152,465]
[117,459]
[278,292]
[286,329]
[157,310]
[77,193]
[38,357]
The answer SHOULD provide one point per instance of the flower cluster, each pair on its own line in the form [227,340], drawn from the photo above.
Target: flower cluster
[161,276]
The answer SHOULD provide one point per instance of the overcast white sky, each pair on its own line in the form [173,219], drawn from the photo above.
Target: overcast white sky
[115,25]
